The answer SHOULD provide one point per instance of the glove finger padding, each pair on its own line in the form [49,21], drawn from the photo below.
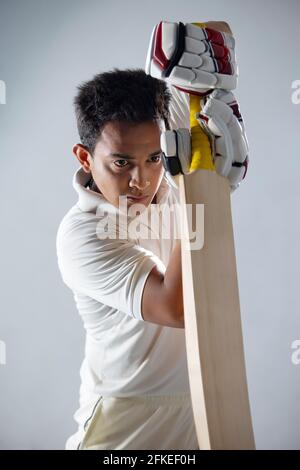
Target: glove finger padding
[221,118]
[216,37]
[191,57]
[206,62]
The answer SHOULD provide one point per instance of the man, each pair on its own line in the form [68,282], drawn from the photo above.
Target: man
[127,287]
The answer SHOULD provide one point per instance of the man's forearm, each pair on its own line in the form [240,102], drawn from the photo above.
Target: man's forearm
[173,282]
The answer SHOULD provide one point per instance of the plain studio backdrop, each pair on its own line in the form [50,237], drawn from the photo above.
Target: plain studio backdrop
[47,49]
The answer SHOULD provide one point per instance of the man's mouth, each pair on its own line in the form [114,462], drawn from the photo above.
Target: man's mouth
[138,198]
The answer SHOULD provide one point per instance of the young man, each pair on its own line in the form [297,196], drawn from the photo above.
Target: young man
[127,286]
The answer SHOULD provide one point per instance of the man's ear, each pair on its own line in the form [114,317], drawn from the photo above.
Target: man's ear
[83,156]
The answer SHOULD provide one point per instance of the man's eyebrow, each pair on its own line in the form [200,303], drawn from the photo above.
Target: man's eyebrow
[129,157]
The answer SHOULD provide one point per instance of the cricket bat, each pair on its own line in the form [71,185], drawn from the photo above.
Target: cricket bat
[214,339]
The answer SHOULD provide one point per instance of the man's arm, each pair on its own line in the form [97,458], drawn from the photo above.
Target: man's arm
[162,300]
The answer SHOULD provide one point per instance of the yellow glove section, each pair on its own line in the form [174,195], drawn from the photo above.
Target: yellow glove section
[201,150]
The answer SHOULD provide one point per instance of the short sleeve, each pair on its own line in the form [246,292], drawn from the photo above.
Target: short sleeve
[111,271]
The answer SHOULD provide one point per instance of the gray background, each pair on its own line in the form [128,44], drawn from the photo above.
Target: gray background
[46,50]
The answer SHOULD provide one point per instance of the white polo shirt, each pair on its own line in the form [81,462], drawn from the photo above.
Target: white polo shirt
[124,355]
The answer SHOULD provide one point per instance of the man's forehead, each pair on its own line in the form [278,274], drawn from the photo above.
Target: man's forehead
[123,136]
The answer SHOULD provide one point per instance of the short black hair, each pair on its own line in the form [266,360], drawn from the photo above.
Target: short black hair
[119,95]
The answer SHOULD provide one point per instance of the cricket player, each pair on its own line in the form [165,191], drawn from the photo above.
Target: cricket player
[118,247]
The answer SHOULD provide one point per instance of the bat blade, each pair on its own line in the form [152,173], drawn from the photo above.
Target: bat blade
[213,330]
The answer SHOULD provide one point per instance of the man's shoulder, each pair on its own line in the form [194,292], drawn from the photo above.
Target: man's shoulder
[83,230]
[75,219]
[76,227]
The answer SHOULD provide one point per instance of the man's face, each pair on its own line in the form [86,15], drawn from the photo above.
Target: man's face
[127,161]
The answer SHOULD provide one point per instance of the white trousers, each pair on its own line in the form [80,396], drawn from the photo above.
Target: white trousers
[145,422]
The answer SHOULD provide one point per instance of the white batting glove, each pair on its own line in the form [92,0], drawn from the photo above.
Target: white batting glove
[220,118]
[192,58]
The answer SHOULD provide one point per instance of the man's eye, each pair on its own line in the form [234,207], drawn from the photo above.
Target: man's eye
[120,163]
[156,158]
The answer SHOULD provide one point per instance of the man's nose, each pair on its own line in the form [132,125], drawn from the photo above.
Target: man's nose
[139,180]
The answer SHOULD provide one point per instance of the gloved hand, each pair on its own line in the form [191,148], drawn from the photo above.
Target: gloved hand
[192,58]
[221,120]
